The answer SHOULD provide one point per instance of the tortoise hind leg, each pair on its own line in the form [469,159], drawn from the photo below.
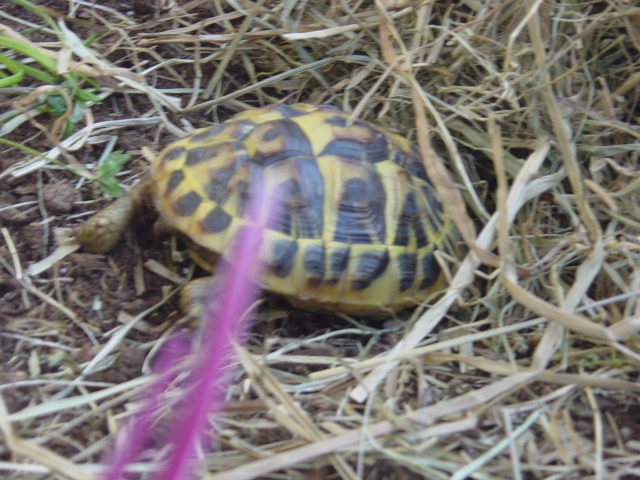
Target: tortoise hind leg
[104,230]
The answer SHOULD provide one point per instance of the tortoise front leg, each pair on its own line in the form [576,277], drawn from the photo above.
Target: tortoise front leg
[196,294]
[104,230]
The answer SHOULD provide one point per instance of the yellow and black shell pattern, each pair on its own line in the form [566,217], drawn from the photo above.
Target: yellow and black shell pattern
[360,220]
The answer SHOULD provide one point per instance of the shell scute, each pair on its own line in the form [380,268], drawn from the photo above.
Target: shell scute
[360,221]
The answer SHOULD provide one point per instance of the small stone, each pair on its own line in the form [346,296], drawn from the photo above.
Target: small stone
[59,197]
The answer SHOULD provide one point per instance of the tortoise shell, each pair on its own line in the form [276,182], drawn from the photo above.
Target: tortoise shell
[360,220]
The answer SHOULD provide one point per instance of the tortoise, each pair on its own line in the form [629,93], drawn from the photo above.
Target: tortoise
[360,222]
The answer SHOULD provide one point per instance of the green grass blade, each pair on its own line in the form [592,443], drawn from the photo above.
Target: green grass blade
[12,80]
[29,51]
[16,67]
[38,11]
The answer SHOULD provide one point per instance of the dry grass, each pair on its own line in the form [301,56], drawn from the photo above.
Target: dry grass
[526,367]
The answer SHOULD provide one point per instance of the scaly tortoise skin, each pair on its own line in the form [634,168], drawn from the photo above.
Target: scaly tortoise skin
[360,219]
